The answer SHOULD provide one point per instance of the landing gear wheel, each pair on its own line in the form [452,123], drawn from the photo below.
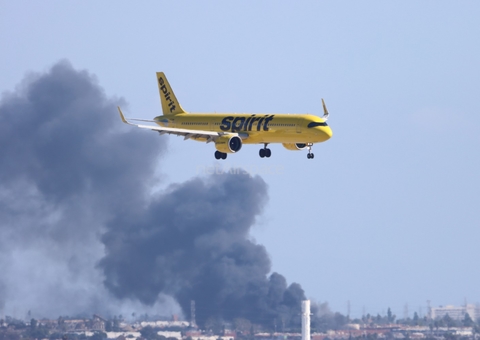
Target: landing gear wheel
[265,152]
[220,155]
[310,155]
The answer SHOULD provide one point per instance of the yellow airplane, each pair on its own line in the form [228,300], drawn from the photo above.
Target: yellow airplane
[229,131]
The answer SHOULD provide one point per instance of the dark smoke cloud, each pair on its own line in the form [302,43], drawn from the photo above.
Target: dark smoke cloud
[193,243]
[80,231]
[66,166]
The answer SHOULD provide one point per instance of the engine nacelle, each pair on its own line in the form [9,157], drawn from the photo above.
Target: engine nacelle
[294,146]
[228,144]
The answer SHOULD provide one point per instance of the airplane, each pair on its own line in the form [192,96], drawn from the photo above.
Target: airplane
[229,131]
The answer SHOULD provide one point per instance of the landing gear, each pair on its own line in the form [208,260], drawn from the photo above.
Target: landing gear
[220,155]
[265,152]
[310,155]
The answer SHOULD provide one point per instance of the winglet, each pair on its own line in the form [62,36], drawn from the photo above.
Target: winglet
[122,116]
[325,111]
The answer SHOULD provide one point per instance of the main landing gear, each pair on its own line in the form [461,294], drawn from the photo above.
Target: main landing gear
[265,152]
[220,155]
[310,155]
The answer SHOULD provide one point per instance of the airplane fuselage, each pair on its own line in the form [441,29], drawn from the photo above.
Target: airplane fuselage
[259,128]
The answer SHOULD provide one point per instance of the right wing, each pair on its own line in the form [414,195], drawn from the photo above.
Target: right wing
[210,136]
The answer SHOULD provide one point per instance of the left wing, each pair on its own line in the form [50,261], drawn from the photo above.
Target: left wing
[210,136]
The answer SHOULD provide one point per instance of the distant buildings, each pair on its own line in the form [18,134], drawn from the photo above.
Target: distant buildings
[456,313]
[98,323]
[163,324]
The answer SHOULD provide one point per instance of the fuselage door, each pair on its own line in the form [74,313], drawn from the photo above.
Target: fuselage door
[298,125]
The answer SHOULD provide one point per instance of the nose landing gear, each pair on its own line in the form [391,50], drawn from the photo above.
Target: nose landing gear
[310,154]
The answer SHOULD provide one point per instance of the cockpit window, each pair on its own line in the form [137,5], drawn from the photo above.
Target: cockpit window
[313,124]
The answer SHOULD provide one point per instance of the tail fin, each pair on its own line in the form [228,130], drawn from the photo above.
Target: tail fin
[170,104]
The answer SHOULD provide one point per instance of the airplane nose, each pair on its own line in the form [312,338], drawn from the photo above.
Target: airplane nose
[327,132]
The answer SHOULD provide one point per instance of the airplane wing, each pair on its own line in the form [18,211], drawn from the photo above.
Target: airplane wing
[210,136]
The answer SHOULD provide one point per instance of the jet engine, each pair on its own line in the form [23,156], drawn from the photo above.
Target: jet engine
[228,144]
[294,146]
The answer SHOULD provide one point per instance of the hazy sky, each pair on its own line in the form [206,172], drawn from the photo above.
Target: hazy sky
[387,214]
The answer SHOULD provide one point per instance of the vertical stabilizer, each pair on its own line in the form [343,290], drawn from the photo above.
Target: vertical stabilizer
[170,104]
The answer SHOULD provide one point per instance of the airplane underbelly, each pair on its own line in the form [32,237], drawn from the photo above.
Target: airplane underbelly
[280,137]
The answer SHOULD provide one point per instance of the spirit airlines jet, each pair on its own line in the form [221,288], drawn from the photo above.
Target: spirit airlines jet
[229,131]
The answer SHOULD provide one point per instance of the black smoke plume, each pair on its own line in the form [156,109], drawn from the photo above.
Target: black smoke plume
[82,233]
[65,161]
[193,243]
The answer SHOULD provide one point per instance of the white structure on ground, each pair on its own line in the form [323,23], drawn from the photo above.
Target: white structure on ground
[306,320]
[456,313]
[163,324]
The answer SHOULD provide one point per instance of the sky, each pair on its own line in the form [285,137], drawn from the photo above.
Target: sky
[386,215]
